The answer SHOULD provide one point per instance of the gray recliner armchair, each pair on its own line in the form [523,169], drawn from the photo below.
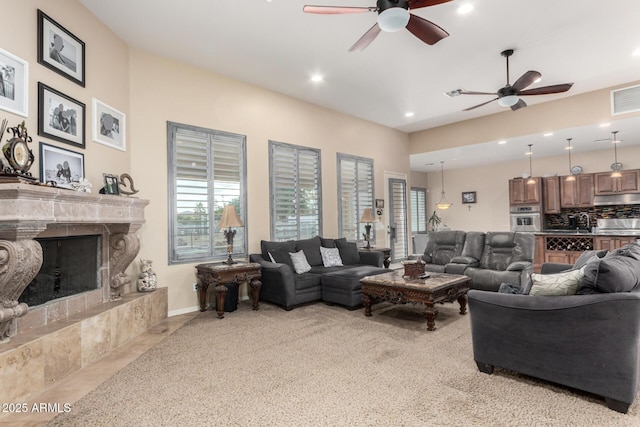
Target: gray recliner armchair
[441,247]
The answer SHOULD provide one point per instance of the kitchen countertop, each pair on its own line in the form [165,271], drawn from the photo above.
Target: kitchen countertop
[588,233]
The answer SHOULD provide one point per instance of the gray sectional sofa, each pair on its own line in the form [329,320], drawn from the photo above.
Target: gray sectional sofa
[489,259]
[281,284]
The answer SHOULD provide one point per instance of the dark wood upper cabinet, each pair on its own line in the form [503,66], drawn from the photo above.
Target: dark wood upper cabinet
[551,194]
[578,193]
[629,182]
[521,193]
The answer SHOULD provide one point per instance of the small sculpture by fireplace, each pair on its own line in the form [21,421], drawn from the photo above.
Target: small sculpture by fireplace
[32,211]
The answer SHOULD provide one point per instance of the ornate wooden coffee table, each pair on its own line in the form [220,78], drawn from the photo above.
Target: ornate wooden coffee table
[396,289]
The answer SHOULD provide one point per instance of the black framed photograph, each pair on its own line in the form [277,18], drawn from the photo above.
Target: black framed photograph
[14,84]
[379,203]
[111,184]
[60,50]
[60,117]
[109,125]
[469,197]
[59,166]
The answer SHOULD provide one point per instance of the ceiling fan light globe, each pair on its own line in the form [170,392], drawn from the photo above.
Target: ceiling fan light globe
[393,19]
[508,101]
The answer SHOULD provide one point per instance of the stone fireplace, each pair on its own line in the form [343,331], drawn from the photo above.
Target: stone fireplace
[28,212]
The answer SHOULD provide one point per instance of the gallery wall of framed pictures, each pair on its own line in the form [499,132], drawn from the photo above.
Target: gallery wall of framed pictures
[61,111]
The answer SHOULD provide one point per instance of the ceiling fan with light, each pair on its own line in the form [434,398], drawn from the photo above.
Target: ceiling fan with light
[393,15]
[509,95]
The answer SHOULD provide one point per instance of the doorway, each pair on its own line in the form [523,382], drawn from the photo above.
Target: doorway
[398,219]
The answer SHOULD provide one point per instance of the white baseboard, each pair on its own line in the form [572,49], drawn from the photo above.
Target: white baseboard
[194,308]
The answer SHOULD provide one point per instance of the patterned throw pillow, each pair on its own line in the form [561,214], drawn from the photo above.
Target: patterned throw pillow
[331,257]
[300,263]
[565,283]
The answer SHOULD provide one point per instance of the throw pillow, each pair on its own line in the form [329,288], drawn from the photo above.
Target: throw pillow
[565,283]
[586,256]
[348,252]
[331,257]
[509,288]
[282,257]
[613,273]
[267,246]
[327,243]
[300,263]
[311,248]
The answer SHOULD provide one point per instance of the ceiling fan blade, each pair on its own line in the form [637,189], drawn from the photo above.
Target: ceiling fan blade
[547,90]
[366,39]
[520,104]
[425,30]
[416,4]
[470,92]
[525,80]
[335,10]
[479,105]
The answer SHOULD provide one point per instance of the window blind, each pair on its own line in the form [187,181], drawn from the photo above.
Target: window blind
[355,194]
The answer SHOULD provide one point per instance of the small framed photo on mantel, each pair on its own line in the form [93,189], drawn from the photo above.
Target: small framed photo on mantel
[60,167]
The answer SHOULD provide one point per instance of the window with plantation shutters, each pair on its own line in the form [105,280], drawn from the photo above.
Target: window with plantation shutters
[295,191]
[206,173]
[355,194]
[418,210]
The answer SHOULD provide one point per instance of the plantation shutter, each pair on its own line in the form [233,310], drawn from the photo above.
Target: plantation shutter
[355,194]
[418,210]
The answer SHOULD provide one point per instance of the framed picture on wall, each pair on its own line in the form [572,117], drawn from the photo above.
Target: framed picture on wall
[60,50]
[109,125]
[59,166]
[60,117]
[14,84]
[469,197]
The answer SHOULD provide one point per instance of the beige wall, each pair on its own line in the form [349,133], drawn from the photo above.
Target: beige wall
[107,70]
[163,90]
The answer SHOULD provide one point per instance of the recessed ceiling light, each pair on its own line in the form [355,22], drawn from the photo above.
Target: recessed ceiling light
[465,8]
[636,52]
[409,114]
[604,125]
[502,142]
[548,134]
[316,78]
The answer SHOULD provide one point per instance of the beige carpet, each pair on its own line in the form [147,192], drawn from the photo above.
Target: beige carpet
[327,366]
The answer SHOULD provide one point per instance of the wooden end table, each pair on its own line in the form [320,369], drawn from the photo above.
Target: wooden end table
[396,289]
[218,274]
[385,251]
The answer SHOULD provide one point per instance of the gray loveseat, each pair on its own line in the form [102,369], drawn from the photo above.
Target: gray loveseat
[281,285]
[489,259]
[589,341]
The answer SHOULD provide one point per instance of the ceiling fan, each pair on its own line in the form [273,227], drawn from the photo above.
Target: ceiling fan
[509,95]
[393,15]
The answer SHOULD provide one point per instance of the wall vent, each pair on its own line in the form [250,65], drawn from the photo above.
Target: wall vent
[625,100]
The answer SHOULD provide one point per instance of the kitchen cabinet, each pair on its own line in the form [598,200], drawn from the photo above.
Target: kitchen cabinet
[613,242]
[521,193]
[565,249]
[563,257]
[551,194]
[629,182]
[578,193]
[538,257]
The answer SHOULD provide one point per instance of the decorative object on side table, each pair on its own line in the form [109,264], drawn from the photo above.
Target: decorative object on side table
[413,268]
[147,280]
[229,219]
[18,155]
[367,218]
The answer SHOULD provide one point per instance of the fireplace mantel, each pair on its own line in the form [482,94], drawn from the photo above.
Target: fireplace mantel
[30,211]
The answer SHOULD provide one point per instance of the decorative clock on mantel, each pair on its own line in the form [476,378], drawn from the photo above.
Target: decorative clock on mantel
[18,155]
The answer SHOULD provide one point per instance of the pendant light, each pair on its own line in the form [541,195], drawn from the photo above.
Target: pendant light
[571,177]
[616,167]
[531,180]
[443,203]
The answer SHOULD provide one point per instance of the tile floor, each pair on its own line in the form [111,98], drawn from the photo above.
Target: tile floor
[73,387]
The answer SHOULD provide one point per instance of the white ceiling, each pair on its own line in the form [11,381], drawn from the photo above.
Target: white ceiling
[273,44]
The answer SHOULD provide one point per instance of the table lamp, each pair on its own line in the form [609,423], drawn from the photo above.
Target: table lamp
[229,219]
[367,218]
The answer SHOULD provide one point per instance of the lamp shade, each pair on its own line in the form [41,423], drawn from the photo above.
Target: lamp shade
[367,216]
[230,218]
[393,19]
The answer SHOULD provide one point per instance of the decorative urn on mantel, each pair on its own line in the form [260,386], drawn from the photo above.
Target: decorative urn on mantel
[30,211]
